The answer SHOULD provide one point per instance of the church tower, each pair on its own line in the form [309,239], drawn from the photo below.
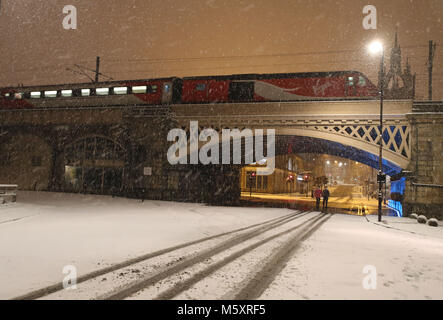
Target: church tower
[398,83]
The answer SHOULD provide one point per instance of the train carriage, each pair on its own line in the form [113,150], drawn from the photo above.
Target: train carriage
[102,94]
[278,87]
[194,90]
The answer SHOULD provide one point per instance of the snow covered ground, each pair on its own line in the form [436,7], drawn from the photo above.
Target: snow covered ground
[408,258]
[44,232]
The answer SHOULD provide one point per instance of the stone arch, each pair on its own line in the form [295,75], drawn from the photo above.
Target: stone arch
[94,164]
[354,148]
[394,158]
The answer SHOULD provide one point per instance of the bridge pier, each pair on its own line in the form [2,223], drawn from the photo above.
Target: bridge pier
[424,186]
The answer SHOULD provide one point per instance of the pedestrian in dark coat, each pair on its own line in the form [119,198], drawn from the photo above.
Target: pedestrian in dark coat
[325,198]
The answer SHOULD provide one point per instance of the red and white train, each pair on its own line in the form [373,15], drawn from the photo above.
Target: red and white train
[194,90]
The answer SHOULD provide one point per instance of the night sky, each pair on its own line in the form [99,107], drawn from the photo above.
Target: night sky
[155,38]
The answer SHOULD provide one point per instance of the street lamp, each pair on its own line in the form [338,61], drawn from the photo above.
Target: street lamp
[376,48]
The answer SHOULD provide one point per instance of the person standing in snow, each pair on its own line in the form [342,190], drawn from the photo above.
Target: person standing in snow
[317,193]
[325,198]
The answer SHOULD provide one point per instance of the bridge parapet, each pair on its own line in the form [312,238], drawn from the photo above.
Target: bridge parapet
[316,110]
[427,106]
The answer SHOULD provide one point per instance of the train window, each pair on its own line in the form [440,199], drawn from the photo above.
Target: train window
[350,81]
[121,90]
[86,92]
[66,93]
[200,87]
[154,88]
[7,95]
[18,95]
[102,91]
[50,94]
[139,89]
[167,86]
[36,94]
[361,81]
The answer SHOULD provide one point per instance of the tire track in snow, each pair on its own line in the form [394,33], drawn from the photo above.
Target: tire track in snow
[187,284]
[42,292]
[141,284]
[262,279]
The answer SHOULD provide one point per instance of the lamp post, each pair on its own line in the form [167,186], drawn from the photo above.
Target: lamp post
[376,47]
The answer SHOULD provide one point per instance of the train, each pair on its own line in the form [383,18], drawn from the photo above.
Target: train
[244,88]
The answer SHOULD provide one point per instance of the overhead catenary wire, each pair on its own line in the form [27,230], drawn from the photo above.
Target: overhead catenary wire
[192,59]
[229,66]
[160,70]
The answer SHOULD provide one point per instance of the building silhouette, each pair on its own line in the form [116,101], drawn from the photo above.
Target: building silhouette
[398,83]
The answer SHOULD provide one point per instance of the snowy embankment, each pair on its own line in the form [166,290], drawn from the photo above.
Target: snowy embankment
[407,256]
[43,232]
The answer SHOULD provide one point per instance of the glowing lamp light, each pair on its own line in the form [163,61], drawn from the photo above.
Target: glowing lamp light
[376,47]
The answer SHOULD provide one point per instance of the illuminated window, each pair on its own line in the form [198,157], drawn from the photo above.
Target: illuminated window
[18,95]
[154,88]
[66,93]
[200,87]
[7,95]
[86,92]
[139,89]
[102,91]
[36,94]
[167,86]
[361,81]
[121,90]
[50,94]
[350,81]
